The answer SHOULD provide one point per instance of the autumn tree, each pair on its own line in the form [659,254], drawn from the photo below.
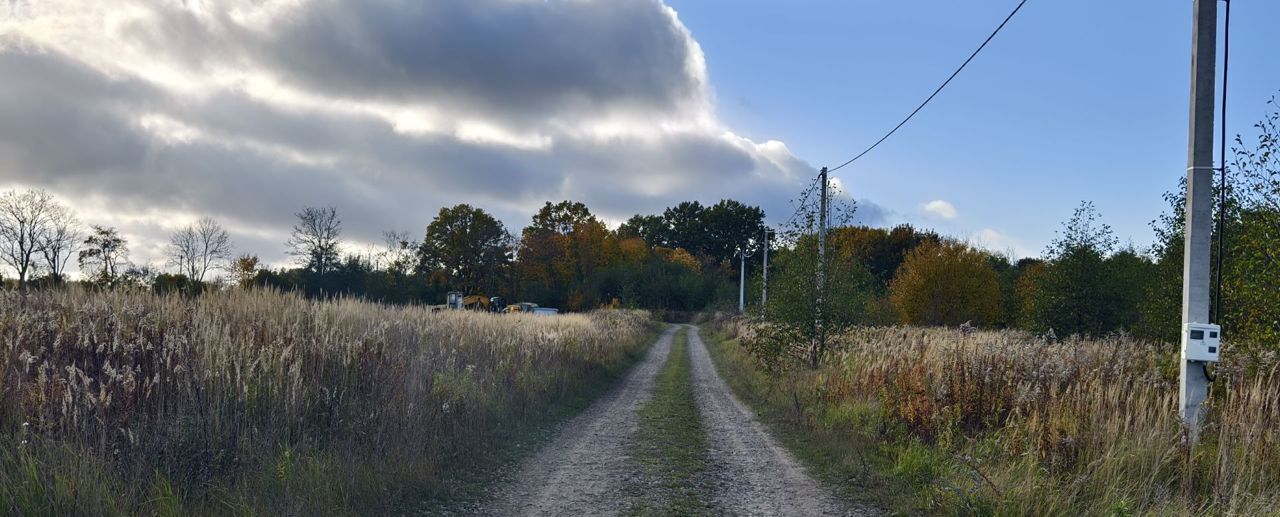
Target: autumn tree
[878,250]
[545,268]
[679,257]
[315,239]
[244,269]
[104,255]
[946,283]
[633,251]
[469,246]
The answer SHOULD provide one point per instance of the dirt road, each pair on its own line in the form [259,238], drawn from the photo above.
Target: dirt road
[752,474]
[585,470]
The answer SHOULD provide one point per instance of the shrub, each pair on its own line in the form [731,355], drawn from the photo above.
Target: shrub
[946,283]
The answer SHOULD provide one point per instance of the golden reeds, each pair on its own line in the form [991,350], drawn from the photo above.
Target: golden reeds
[1065,427]
[204,392]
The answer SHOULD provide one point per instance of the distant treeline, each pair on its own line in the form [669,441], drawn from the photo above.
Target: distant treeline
[686,259]
[680,260]
[1085,283]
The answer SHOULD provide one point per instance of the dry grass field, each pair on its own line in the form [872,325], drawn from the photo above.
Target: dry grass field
[1007,423]
[259,402]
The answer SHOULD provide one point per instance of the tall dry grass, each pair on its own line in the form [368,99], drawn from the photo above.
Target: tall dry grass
[1008,423]
[256,401]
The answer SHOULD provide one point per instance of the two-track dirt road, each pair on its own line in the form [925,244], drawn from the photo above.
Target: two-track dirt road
[585,469]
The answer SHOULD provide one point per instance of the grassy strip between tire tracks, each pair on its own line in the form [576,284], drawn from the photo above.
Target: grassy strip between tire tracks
[671,443]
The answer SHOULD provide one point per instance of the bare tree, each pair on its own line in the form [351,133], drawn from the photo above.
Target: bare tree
[103,254]
[315,238]
[400,253]
[197,248]
[25,220]
[60,242]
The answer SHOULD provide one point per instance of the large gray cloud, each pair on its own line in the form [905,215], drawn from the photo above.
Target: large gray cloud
[387,110]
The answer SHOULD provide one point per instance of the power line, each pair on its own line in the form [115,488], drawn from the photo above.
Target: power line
[803,201]
[935,92]
[1222,184]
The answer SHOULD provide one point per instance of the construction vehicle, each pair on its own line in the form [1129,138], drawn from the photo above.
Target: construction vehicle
[476,302]
[498,304]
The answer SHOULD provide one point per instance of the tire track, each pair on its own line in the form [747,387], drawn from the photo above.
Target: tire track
[584,470]
[751,473]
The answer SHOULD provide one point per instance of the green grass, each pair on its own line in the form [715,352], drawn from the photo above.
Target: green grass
[853,448]
[671,442]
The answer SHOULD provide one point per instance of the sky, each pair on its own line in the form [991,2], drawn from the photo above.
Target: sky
[148,114]
[1073,101]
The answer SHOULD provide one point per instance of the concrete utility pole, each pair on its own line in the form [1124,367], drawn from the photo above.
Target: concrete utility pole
[1194,387]
[764,271]
[822,270]
[742,283]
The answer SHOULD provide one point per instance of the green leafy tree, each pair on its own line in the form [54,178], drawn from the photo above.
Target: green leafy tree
[1130,275]
[1077,292]
[470,247]
[1252,280]
[651,228]
[560,217]
[729,228]
[685,223]
[104,255]
[789,333]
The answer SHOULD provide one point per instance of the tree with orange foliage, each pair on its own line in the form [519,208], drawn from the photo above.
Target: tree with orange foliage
[946,283]
[679,257]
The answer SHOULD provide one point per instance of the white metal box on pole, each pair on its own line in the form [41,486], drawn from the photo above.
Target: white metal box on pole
[1201,342]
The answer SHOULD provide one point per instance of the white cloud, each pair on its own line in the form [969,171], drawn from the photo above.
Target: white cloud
[940,208]
[995,241]
[143,112]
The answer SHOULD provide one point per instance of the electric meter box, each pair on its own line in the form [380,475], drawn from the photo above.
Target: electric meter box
[1201,342]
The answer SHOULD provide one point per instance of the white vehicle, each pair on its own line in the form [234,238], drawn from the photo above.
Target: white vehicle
[545,311]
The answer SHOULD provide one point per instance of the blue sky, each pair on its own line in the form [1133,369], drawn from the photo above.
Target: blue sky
[1079,100]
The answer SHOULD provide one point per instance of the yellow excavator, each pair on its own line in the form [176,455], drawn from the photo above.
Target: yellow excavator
[475,302]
